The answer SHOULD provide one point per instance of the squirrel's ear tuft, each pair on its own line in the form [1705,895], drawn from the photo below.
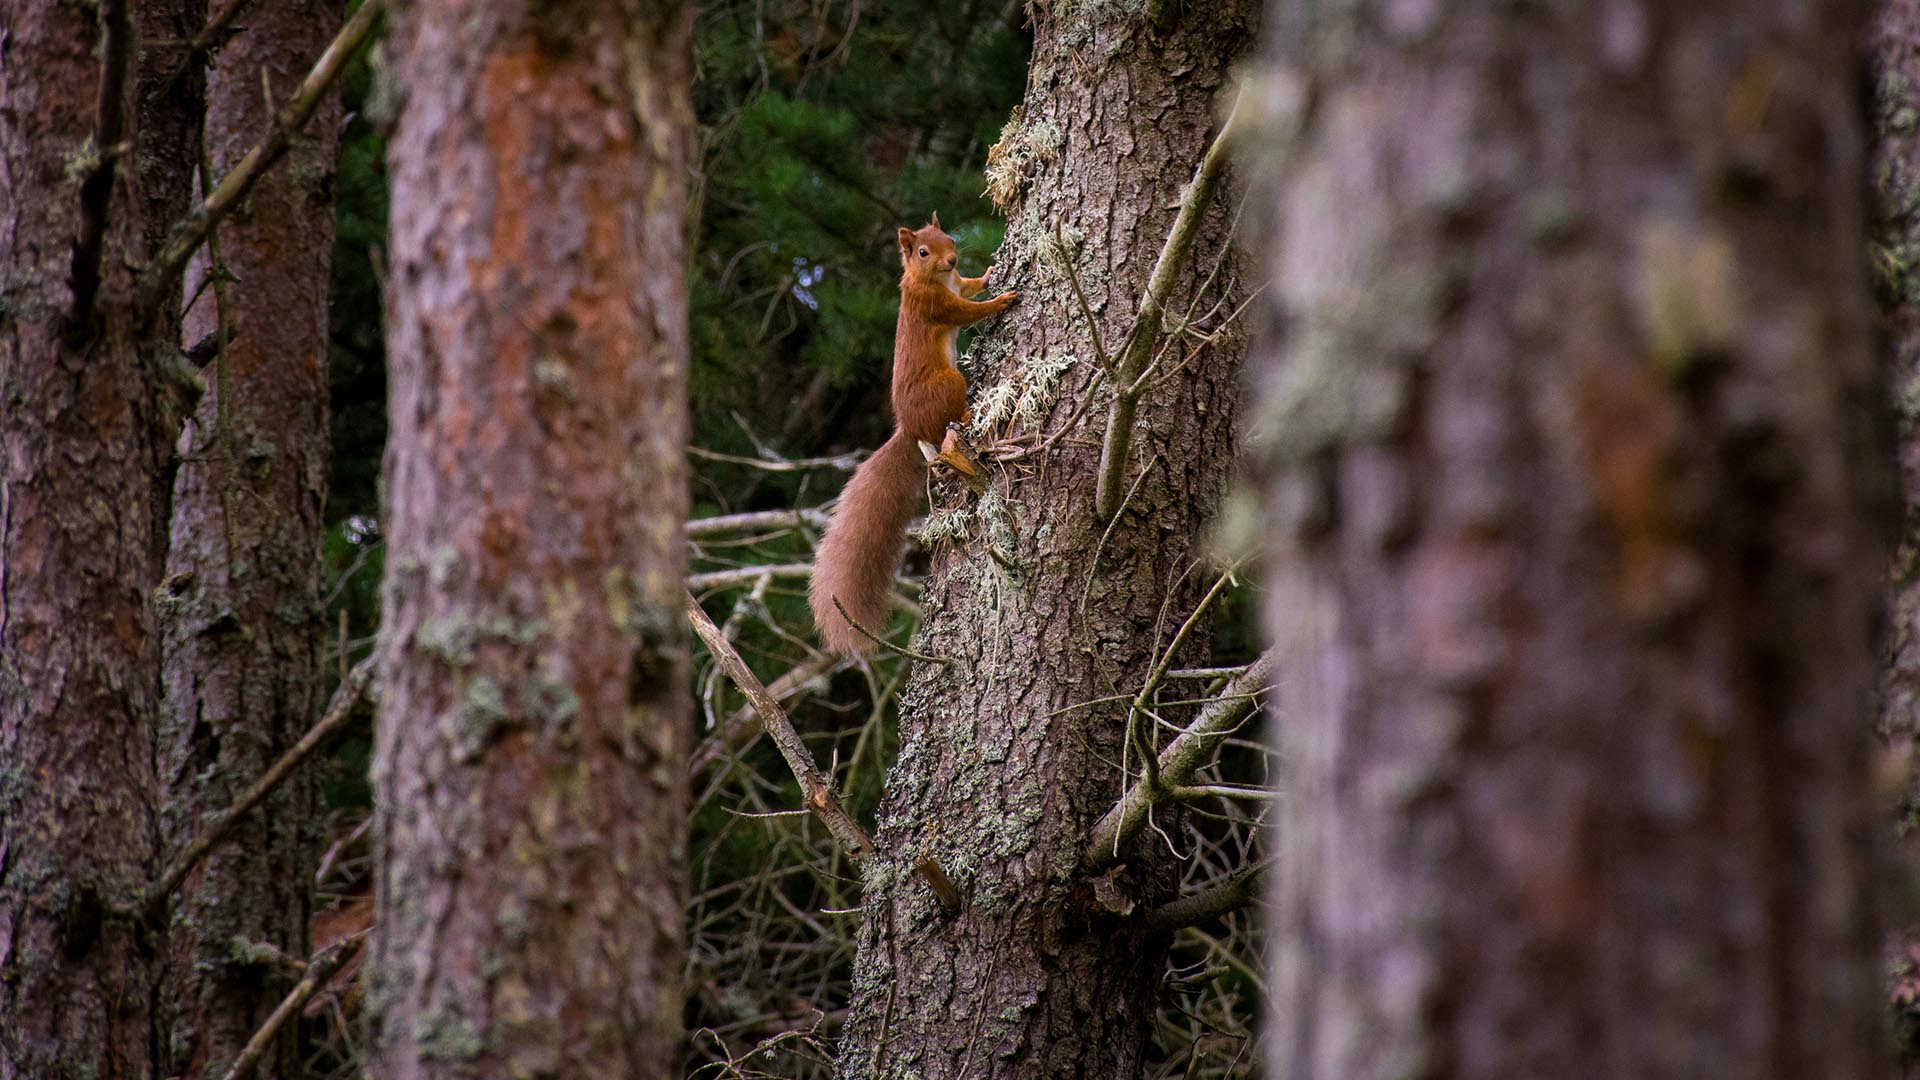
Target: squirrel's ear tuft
[906,239]
[936,219]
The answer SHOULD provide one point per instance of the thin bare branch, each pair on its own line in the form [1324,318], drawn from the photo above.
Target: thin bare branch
[755,521]
[339,711]
[165,269]
[217,30]
[1137,350]
[746,575]
[320,969]
[744,726]
[773,463]
[1178,762]
[1086,310]
[883,642]
[1239,889]
[815,788]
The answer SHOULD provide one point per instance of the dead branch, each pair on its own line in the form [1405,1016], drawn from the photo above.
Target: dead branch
[339,711]
[815,789]
[1239,889]
[320,969]
[1138,345]
[755,521]
[774,463]
[165,269]
[1079,294]
[218,29]
[883,642]
[746,575]
[744,725]
[1178,762]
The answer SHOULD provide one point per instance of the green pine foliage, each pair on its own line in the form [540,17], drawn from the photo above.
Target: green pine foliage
[824,128]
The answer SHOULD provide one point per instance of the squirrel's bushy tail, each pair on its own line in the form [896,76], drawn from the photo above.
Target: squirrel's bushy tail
[861,551]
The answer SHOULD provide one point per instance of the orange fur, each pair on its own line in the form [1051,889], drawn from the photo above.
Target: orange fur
[861,551]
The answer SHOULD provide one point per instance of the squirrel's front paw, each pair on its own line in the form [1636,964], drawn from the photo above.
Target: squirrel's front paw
[1006,299]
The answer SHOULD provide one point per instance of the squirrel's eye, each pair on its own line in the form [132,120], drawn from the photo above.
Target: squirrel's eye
[923,253]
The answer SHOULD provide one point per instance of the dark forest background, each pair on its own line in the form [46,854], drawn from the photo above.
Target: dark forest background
[822,127]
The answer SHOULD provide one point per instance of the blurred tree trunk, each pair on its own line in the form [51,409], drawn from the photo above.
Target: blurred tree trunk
[81,442]
[531,766]
[999,775]
[242,589]
[1573,477]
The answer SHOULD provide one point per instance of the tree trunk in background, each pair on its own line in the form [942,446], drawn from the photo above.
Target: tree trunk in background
[1573,471]
[80,444]
[531,766]
[996,777]
[242,590]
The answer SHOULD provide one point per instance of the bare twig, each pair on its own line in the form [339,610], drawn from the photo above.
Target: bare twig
[1179,761]
[1086,310]
[815,789]
[744,725]
[757,520]
[192,231]
[339,711]
[1239,889]
[109,138]
[320,969]
[216,31]
[843,462]
[746,575]
[883,642]
[1138,347]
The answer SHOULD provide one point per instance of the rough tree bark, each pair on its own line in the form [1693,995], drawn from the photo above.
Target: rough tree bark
[1896,251]
[533,729]
[241,594]
[1041,609]
[1574,471]
[80,445]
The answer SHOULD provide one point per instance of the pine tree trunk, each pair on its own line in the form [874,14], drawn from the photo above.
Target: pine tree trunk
[1895,253]
[1896,250]
[533,731]
[1038,606]
[1573,477]
[242,591]
[80,444]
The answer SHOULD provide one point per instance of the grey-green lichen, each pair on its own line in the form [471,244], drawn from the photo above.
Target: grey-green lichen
[1013,161]
[446,1036]
[553,377]
[452,637]
[1349,376]
[1687,292]
[947,523]
[1023,394]
[998,532]
[247,953]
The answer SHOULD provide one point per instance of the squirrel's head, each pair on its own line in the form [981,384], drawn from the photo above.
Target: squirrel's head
[928,252]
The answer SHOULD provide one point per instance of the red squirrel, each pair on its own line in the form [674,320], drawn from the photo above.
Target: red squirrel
[865,538]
